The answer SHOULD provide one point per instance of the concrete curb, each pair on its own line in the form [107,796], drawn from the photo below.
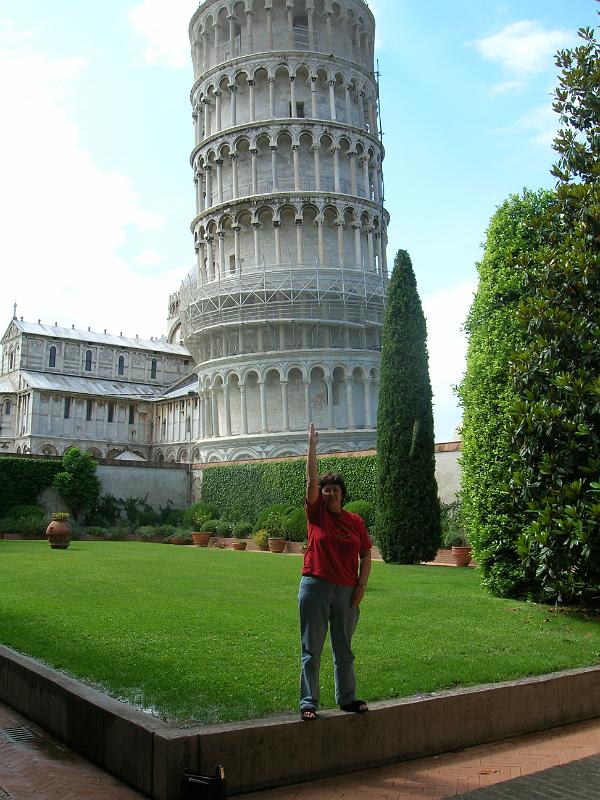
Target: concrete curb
[150,755]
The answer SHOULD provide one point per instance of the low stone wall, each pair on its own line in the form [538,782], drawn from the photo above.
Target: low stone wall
[151,755]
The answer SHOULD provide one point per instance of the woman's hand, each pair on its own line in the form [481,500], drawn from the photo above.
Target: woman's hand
[357,595]
[313,436]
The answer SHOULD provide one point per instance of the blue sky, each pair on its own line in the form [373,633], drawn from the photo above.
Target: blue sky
[96,193]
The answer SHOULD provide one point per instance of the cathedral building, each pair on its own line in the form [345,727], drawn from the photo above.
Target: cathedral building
[278,324]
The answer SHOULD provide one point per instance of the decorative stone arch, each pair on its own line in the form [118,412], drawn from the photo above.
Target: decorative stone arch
[113,452]
[159,457]
[182,455]
[49,450]
[94,452]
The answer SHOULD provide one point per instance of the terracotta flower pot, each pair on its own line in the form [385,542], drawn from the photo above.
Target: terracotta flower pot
[461,555]
[201,538]
[276,544]
[239,544]
[59,534]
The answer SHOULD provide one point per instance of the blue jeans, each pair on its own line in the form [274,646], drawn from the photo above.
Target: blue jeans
[321,604]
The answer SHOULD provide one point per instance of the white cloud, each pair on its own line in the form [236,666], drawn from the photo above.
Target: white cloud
[148,258]
[543,122]
[446,311]
[522,49]
[164,26]
[65,219]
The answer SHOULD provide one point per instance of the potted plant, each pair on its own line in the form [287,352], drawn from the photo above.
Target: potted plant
[200,536]
[456,540]
[181,537]
[261,539]
[224,530]
[241,531]
[59,531]
[276,532]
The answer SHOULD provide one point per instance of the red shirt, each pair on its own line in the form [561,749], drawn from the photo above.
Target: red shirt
[334,543]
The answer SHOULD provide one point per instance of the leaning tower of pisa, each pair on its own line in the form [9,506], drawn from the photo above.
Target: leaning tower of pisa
[284,307]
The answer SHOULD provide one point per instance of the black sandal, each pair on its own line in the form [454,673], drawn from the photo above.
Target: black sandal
[308,714]
[356,707]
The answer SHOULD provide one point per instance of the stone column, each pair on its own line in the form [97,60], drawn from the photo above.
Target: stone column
[285,415]
[274,166]
[361,110]
[311,28]
[384,243]
[209,261]
[195,117]
[243,409]
[233,103]
[313,98]
[253,156]
[234,176]
[317,156]
[352,157]
[282,336]
[329,382]
[221,238]
[376,190]
[231,20]
[307,408]
[299,241]
[379,252]
[271,95]
[368,410]
[215,411]
[349,405]
[319,222]
[269,13]
[256,226]
[336,168]
[249,31]
[252,109]
[241,338]
[227,409]
[263,407]
[201,257]
[219,163]
[218,116]
[329,30]
[276,230]
[290,18]
[208,182]
[367,182]
[370,250]
[373,118]
[332,112]
[348,100]
[296,158]
[340,230]
[293,109]
[236,246]
[207,120]
[357,245]
[204,51]
[197,192]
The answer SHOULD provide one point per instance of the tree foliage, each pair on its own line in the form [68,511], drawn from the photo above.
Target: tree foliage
[23,479]
[408,512]
[515,236]
[77,483]
[556,377]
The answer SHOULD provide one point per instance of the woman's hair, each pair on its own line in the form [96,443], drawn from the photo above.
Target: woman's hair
[335,478]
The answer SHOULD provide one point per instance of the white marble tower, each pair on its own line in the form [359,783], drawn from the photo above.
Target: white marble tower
[284,308]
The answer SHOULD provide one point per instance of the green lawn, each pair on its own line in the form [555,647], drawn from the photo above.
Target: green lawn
[203,635]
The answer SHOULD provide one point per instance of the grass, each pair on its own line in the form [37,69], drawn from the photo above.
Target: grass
[203,636]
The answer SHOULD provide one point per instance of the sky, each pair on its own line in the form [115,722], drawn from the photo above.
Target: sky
[96,190]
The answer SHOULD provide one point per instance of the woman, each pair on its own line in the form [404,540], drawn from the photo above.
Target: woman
[336,569]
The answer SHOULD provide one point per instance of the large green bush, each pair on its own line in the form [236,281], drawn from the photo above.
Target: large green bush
[23,479]
[408,512]
[77,482]
[365,510]
[242,491]
[492,518]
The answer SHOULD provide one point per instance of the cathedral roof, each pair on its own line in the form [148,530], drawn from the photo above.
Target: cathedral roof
[93,386]
[74,334]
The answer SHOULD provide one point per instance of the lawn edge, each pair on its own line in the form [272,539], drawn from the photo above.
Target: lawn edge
[150,755]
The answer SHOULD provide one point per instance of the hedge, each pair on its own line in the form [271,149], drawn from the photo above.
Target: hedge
[23,479]
[241,492]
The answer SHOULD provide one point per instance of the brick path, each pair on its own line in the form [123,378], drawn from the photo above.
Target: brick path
[41,768]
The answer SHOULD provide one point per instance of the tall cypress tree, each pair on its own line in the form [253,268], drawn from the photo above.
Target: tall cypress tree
[408,514]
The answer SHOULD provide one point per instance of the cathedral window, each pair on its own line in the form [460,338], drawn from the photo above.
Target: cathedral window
[153,368]
[67,408]
[7,408]
[89,407]
[121,365]
[111,412]
[131,415]
[52,357]
[88,360]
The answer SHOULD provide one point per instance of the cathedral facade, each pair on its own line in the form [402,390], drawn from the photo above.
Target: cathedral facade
[278,324]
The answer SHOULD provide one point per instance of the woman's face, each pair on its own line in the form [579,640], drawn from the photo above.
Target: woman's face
[332,497]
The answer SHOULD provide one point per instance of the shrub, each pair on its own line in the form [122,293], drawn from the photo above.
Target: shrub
[295,525]
[77,482]
[26,511]
[242,530]
[95,530]
[276,508]
[117,532]
[23,480]
[167,530]
[211,525]
[224,529]
[25,525]
[274,524]
[364,509]
[205,510]
[261,538]
[138,511]
[147,531]
[106,511]
[168,515]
